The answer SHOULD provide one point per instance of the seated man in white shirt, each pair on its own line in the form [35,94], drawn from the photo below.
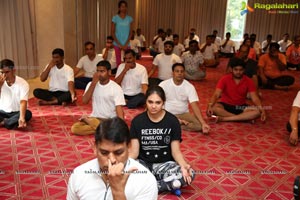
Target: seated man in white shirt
[255,45]
[135,45]
[61,86]
[191,36]
[284,43]
[14,92]
[210,52]
[133,78]
[265,45]
[228,46]
[217,39]
[179,94]
[87,64]
[141,38]
[178,47]
[112,174]
[158,43]
[109,54]
[163,62]
[107,101]
[293,125]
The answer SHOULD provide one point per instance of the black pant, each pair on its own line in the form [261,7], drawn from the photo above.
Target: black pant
[136,100]
[289,128]
[290,65]
[81,82]
[12,119]
[284,80]
[47,95]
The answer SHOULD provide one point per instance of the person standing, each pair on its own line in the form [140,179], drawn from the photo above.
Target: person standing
[121,28]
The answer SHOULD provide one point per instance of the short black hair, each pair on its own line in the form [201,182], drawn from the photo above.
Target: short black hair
[169,43]
[59,52]
[275,45]
[234,62]
[89,43]
[175,36]
[109,38]
[160,30]
[193,42]
[155,89]
[114,130]
[104,63]
[130,51]
[7,63]
[177,64]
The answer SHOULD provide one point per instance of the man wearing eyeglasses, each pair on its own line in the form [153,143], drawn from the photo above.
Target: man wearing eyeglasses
[14,92]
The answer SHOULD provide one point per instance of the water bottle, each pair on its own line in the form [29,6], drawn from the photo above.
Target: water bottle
[176,187]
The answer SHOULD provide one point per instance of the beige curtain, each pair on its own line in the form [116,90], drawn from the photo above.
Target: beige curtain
[263,23]
[18,35]
[180,16]
[94,20]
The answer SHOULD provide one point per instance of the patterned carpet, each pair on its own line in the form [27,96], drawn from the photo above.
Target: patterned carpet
[236,161]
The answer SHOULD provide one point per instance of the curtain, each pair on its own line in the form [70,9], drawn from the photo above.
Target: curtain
[180,16]
[263,23]
[94,21]
[18,36]
[94,18]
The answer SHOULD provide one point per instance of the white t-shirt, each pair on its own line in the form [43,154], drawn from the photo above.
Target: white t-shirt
[187,41]
[160,45]
[86,183]
[178,49]
[133,79]
[111,57]
[218,41]
[89,66]
[11,96]
[169,38]
[228,48]
[283,45]
[164,63]
[59,78]
[105,99]
[256,47]
[296,103]
[178,97]
[264,44]
[141,38]
[134,45]
[210,51]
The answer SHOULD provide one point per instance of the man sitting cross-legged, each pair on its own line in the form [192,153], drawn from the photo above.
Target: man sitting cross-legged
[133,78]
[233,89]
[107,97]
[179,94]
[61,84]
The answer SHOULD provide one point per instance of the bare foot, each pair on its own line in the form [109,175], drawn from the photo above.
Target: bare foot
[278,87]
[42,102]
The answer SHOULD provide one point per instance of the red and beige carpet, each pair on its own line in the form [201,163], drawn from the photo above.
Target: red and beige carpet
[236,161]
